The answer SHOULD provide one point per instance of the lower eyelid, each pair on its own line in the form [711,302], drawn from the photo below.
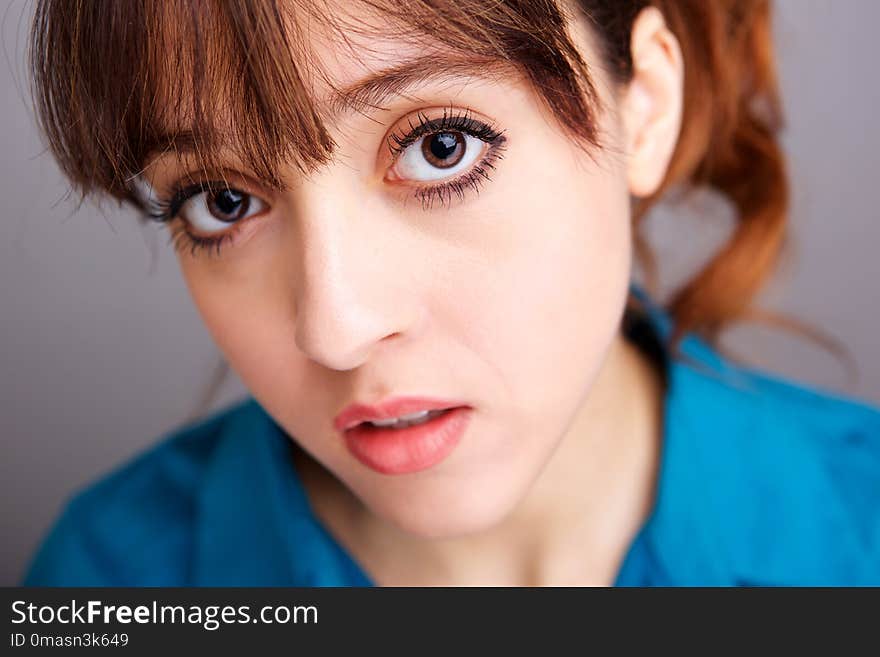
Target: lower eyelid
[237,231]
[488,147]
[263,208]
[448,190]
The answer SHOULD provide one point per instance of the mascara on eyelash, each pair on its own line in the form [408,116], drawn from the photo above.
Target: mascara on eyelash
[165,210]
[463,122]
[473,179]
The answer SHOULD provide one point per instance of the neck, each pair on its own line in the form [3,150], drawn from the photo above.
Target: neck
[572,528]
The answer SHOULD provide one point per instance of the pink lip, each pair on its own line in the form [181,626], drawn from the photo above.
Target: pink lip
[399,451]
[354,414]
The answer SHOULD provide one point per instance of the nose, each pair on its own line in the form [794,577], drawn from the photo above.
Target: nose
[349,291]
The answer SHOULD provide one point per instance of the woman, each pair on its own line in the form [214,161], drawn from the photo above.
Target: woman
[409,228]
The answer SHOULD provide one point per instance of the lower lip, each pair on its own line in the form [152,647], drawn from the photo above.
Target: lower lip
[401,451]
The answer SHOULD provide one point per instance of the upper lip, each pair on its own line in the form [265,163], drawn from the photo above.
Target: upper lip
[354,414]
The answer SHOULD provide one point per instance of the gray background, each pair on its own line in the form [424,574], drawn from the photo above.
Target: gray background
[102,351]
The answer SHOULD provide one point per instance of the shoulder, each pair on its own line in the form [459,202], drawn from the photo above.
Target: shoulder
[134,525]
[791,470]
[784,408]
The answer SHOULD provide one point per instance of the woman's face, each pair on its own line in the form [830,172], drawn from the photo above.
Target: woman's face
[359,284]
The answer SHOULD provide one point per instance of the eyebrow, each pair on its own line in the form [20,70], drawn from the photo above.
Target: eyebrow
[381,86]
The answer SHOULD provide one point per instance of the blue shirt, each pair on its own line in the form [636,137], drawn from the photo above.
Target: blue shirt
[762,482]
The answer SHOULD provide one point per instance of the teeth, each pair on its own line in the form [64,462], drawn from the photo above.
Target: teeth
[383,423]
[414,416]
[406,420]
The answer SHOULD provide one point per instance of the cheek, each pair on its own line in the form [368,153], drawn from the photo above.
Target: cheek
[543,308]
[243,307]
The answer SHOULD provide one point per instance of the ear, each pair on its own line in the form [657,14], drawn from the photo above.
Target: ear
[652,102]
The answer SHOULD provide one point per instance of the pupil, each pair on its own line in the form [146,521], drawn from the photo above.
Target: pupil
[229,204]
[443,145]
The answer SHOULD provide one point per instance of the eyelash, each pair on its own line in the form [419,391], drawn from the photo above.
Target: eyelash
[166,210]
[475,177]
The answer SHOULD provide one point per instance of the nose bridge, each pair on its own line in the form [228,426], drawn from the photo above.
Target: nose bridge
[343,298]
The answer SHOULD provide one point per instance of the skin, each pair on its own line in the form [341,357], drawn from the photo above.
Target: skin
[510,300]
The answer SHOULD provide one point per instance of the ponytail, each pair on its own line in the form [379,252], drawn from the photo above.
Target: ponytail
[728,143]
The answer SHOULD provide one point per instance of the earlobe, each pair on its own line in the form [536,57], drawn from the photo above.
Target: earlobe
[652,103]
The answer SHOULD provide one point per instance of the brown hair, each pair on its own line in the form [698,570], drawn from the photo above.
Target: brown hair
[105,75]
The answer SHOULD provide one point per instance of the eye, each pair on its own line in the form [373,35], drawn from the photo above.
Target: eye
[437,156]
[212,211]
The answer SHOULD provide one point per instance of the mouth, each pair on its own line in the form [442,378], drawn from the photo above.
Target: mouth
[404,421]
[397,411]
[407,444]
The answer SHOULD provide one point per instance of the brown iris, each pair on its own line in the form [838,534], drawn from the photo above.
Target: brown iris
[228,205]
[444,149]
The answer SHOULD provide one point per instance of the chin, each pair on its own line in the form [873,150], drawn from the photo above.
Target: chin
[450,512]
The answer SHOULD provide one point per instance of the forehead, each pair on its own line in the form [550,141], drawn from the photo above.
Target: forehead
[354,56]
